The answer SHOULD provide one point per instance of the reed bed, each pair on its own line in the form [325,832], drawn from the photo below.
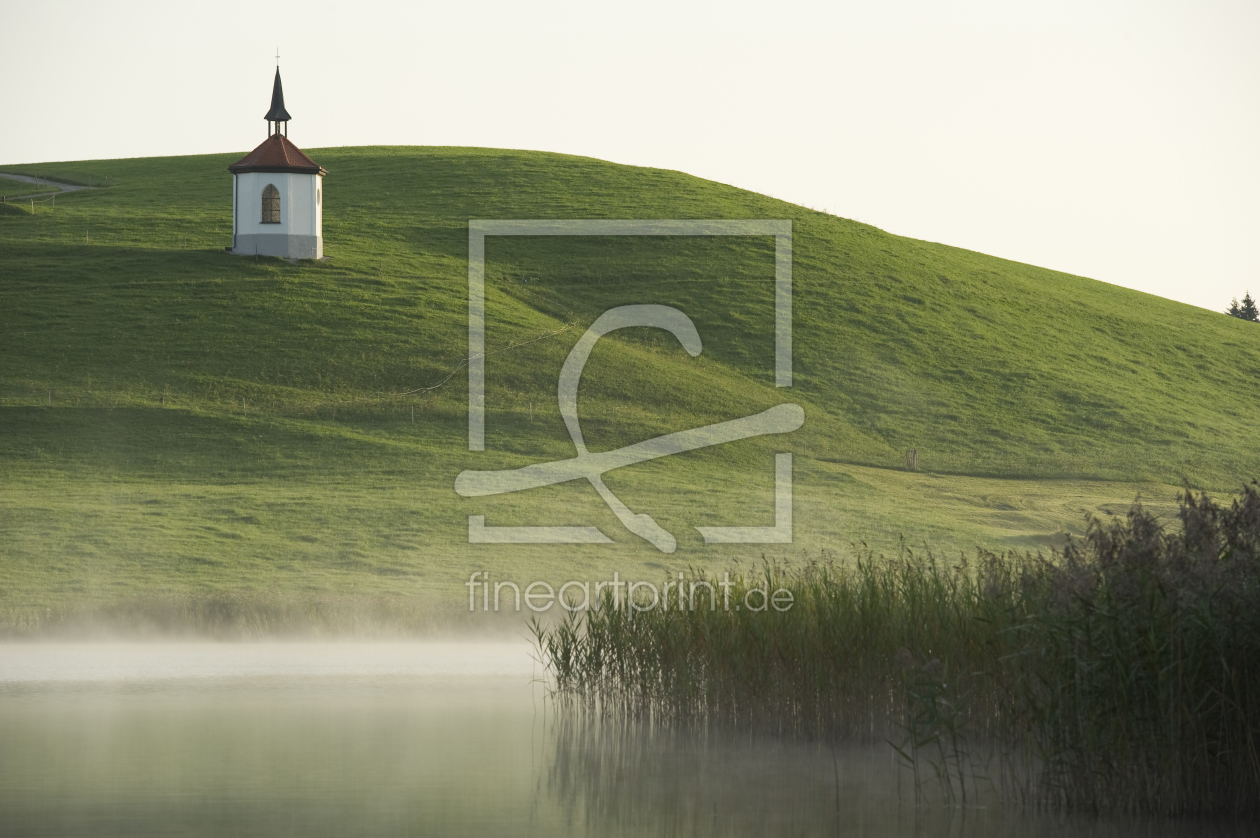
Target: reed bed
[1121,674]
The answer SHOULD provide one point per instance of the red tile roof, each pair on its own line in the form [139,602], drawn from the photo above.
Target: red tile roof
[277,154]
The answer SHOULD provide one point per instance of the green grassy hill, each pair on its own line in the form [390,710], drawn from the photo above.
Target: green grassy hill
[176,418]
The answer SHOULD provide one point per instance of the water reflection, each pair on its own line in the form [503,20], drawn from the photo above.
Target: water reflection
[411,739]
[626,779]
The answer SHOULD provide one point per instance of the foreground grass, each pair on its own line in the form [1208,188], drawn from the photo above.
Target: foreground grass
[80,536]
[1123,675]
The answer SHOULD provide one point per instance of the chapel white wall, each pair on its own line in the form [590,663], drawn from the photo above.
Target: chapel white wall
[299,214]
[300,231]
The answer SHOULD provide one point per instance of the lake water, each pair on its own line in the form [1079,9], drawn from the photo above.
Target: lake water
[451,739]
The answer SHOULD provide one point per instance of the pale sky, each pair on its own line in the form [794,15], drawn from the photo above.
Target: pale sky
[1116,140]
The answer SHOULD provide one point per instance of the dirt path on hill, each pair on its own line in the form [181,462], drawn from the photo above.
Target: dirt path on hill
[64,187]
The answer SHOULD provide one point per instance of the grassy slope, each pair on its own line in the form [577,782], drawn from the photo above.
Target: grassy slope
[227,422]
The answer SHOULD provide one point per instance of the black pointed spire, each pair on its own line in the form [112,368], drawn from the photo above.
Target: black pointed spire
[277,112]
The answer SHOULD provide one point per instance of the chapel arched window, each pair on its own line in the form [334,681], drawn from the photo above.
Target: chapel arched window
[271,205]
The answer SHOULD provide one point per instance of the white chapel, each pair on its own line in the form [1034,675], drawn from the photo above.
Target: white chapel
[278,194]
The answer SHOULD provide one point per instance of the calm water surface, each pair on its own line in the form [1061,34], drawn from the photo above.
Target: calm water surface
[280,739]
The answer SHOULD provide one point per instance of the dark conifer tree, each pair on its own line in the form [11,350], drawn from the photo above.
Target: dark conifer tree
[1246,310]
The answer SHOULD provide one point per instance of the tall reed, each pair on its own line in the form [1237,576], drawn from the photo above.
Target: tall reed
[1119,674]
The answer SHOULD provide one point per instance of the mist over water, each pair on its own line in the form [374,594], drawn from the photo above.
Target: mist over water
[422,739]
